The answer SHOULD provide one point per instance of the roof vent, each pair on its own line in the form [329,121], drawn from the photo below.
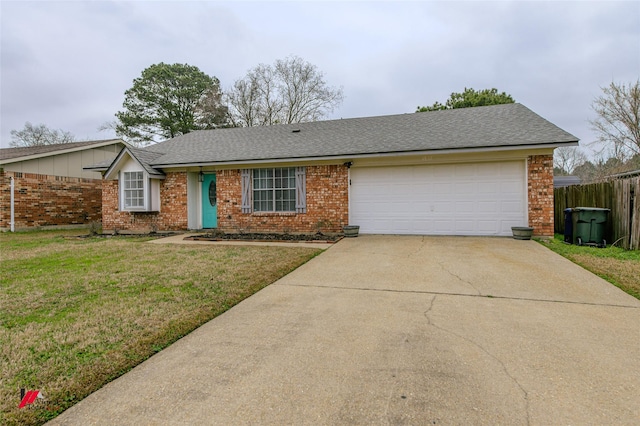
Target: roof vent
[295,131]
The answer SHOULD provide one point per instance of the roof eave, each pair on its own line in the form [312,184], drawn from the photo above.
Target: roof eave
[156,175]
[341,157]
[63,151]
[115,165]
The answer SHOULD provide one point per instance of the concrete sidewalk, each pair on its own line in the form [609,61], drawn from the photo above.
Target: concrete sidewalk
[182,239]
[400,330]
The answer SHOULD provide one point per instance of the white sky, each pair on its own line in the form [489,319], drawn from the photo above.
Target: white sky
[68,64]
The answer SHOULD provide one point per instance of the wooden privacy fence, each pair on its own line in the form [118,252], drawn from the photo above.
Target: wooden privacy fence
[621,196]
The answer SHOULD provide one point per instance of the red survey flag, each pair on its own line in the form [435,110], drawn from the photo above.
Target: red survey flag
[29,398]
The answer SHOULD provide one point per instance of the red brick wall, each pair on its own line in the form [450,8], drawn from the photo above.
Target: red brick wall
[171,217]
[327,204]
[540,178]
[44,200]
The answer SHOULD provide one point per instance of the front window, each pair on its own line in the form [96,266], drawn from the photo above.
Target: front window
[274,190]
[133,190]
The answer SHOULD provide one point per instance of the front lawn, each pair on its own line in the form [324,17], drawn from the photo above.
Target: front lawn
[77,313]
[619,267]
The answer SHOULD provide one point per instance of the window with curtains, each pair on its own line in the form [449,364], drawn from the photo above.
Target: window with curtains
[275,190]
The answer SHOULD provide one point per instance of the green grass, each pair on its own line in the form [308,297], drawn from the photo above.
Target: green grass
[618,266]
[77,313]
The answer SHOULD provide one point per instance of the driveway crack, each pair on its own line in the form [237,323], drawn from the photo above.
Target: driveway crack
[469,283]
[446,293]
[420,248]
[504,368]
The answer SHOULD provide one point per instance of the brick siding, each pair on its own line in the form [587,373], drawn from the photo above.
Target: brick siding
[540,194]
[327,204]
[171,217]
[45,200]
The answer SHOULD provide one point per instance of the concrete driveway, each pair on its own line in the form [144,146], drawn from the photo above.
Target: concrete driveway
[400,330]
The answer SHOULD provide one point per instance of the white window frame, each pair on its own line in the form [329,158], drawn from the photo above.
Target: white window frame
[145,191]
[297,178]
[273,187]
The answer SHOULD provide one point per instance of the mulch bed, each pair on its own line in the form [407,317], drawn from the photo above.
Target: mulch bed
[261,237]
[120,235]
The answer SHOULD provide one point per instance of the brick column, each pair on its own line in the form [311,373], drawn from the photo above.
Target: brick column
[540,194]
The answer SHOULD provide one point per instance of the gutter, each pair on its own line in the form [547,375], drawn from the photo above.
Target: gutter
[344,157]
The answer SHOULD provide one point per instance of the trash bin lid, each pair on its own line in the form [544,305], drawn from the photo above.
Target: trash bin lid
[588,209]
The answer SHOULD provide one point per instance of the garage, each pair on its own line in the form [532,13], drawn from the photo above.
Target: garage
[481,198]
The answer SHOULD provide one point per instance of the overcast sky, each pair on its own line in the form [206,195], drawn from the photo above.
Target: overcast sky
[68,64]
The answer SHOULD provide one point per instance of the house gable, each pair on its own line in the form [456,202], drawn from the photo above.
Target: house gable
[139,183]
[68,160]
[11,155]
[140,157]
[49,186]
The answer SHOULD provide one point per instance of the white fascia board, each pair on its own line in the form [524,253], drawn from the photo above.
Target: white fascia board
[115,166]
[347,157]
[96,169]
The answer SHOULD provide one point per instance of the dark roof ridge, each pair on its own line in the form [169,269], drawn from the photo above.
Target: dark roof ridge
[334,120]
[507,126]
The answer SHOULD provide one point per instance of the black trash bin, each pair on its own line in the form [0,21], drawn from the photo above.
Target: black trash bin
[568,226]
[589,226]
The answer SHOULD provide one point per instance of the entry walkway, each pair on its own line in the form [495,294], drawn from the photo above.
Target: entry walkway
[181,239]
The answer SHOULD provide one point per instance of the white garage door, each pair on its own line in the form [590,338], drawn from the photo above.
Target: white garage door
[449,199]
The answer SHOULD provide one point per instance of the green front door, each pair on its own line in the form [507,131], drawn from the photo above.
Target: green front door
[209,203]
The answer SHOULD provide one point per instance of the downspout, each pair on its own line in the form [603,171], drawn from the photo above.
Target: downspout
[348,164]
[13,214]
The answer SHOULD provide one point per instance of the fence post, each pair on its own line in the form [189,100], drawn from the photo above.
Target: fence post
[13,212]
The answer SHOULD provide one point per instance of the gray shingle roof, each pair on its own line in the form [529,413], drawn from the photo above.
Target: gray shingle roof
[101,165]
[146,157]
[510,125]
[13,153]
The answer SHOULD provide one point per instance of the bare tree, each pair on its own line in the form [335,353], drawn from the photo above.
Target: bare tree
[618,121]
[253,100]
[243,100]
[290,91]
[211,112]
[39,135]
[108,126]
[567,158]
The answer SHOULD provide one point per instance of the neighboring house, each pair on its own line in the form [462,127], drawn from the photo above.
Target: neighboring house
[51,187]
[471,171]
[562,181]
